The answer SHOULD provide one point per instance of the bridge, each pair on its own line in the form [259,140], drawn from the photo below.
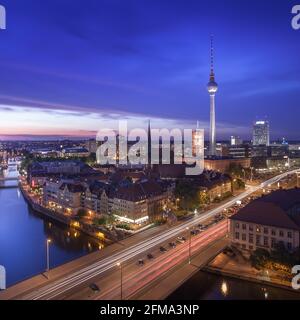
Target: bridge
[71,281]
[9,179]
[9,187]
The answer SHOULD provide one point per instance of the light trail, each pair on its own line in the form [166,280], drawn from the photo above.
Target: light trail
[136,280]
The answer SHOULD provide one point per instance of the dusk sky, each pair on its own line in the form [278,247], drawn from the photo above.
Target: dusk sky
[71,67]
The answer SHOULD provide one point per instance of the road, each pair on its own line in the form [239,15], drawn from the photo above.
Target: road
[137,279]
[76,279]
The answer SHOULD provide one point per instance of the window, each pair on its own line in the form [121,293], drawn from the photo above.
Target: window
[266,230]
[266,241]
[251,247]
[244,237]
[250,227]
[273,232]
[289,246]
[250,237]
[237,225]
[237,235]
[289,234]
[244,226]
[281,234]
[258,229]
[273,242]
[258,240]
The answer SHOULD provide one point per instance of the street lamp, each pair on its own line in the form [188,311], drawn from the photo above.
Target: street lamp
[119,264]
[190,242]
[251,168]
[48,242]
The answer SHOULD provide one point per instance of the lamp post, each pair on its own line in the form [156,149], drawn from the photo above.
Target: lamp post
[119,264]
[251,168]
[190,242]
[48,242]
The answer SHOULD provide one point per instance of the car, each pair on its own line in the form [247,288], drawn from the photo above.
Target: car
[141,262]
[150,256]
[195,232]
[94,287]
[162,249]
[180,240]
[172,244]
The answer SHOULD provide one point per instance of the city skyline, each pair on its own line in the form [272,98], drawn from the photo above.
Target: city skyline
[149,151]
[139,71]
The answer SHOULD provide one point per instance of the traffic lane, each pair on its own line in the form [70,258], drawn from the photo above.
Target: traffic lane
[105,281]
[135,281]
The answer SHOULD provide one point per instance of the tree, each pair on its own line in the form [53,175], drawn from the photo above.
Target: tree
[100,221]
[238,184]
[281,255]
[81,213]
[110,219]
[188,194]
[235,170]
[203,198]
[259,258]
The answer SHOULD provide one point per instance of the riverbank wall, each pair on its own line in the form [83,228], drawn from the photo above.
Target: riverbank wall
[248,278]
[87,229]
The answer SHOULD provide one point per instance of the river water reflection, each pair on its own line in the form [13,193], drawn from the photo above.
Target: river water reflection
[23,235]
[205,286]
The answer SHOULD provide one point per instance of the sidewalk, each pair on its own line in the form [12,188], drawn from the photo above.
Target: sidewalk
[240,268]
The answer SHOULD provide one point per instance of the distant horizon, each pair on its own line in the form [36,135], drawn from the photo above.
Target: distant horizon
[54,138]
[110,61]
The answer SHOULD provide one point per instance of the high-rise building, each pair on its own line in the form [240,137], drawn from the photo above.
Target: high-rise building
[261,133]
[235,141]
[212,88]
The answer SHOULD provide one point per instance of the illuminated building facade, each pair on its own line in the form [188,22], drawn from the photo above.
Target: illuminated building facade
[261,133]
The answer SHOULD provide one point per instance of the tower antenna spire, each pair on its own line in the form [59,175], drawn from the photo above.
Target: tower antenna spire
[212,88]
[212,73]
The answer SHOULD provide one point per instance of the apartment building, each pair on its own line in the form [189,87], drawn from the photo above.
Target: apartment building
[272,219]
[63,196]
[140,202]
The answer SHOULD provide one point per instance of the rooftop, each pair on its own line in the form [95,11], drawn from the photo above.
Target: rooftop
[273,210]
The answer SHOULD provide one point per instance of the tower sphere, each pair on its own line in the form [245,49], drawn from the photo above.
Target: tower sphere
[212,87]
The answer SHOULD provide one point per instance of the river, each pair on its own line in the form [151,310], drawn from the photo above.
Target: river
[206,286]
[23,235]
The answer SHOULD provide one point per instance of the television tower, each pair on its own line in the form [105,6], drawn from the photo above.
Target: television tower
[212,88]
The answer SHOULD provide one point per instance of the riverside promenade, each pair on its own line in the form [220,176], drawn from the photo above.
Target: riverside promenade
[90,230]
[239,267]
